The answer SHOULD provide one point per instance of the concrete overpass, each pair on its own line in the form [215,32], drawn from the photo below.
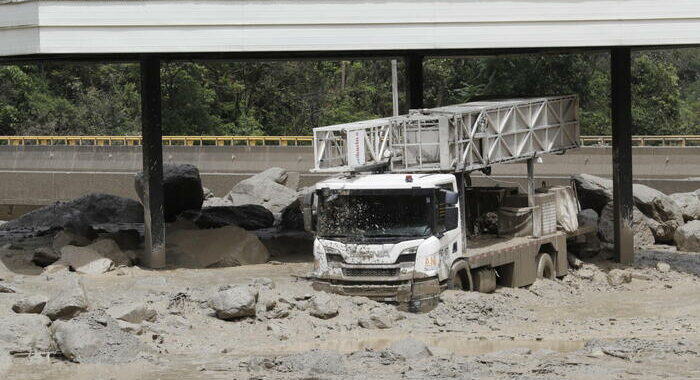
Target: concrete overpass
[150,31]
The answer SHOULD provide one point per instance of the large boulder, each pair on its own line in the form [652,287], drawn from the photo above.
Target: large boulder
[266,189]
[95,338]
[687,237]
[25,333]
[292,217]
[661,208]
[249,217]
[643,236]
[689,204]
[234,302]
[596,192]
[68,303]
[79,215]
[182,189]
[217,247]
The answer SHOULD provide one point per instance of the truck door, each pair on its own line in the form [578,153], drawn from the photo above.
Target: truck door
[451,235]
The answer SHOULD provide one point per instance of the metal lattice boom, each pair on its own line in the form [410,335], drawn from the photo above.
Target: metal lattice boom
[462,137]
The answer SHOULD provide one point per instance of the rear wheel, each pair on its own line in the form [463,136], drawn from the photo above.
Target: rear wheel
[545,266]
[460,278]
[484,280]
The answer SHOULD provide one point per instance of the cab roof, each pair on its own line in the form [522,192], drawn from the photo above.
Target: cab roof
[386,181]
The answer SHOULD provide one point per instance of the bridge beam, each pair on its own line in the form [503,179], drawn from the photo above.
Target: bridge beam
[152,148]
[621,79]
[414,79]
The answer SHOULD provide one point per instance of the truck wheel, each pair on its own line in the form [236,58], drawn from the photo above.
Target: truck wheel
[484,280]
[545,266]
[460,277]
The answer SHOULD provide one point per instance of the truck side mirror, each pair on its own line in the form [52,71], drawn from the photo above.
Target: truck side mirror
[451,218]
[307,209]
[451,197]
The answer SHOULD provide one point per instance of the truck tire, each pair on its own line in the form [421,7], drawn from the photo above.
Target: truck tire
[460,276]
[484,280]
[545,266]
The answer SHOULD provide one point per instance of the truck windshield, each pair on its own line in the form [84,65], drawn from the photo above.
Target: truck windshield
[375,216]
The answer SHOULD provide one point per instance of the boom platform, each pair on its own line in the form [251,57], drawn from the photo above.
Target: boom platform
[457,138]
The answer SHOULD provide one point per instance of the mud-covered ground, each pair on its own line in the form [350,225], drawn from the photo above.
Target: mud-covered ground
[579,327]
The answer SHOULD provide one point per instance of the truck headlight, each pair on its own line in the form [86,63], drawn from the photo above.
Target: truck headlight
[409,251]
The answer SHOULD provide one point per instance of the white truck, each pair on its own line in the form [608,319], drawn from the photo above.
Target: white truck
[402,221]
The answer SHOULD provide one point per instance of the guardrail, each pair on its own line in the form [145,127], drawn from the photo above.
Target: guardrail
[669,140]
[167,140]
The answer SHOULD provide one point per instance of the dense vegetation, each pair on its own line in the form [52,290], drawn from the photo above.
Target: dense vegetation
[290,98]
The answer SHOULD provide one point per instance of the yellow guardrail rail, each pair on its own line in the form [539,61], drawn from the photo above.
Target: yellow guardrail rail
[167,140]
[669,140]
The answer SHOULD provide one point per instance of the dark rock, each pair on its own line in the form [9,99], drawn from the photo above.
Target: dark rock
[182,189]
[78,215]
[249,217]
[292,217]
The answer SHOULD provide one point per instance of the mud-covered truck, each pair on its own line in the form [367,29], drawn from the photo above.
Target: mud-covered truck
[402,221]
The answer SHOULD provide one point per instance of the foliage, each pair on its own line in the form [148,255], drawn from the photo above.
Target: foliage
[290,98]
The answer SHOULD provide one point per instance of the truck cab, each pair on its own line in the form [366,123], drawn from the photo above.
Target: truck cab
[392,237]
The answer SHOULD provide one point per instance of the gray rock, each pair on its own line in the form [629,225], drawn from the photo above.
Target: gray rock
[7,288]
[643,235]
[45,256]
[207,193]
[687,237]
[663,267]
[593,192]
[410,349]
[661,208]
[68,303]
[182,189]
[95,338]
[79,215]
[234,302]
[25,333]
[132,312]
[618,277]
[314,363]
[216,202]
[379,318]
[323,306]
[214,248]
[85,260]
[109,249]
[31,305]
[249,217]
[64,238]
[266,189]
[689,203]
[587,217]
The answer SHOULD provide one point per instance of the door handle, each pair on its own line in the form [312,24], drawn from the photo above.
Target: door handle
[454,247]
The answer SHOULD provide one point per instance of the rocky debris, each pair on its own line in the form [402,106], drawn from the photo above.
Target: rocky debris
[84,260]
[79,215]
[134,313]
[22,334]
[596,193]
[220,247]
[266,189]
[207,193]
[45,256]
[30,305]
[460,309]
[688,237]
[661,208]
[689,203]
[663,267]
[378,316]
[182,189]
[7,288]
[249,217]
[68,303]
[64,238]
[643,236]
[234,302]
[410,349]
[617,277]
[95,338]
[632,348]
[313,363]
[323,306]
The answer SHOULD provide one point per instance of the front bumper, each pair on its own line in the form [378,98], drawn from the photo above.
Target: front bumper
[415,295]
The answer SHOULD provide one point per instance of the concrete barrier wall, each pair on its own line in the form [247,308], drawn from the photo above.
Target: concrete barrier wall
[38,175]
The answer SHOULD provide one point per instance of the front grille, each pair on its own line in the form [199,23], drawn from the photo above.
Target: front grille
[370,272]
[334,258]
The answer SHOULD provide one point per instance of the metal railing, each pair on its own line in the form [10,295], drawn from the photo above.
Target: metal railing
[669,140]
[167,140]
